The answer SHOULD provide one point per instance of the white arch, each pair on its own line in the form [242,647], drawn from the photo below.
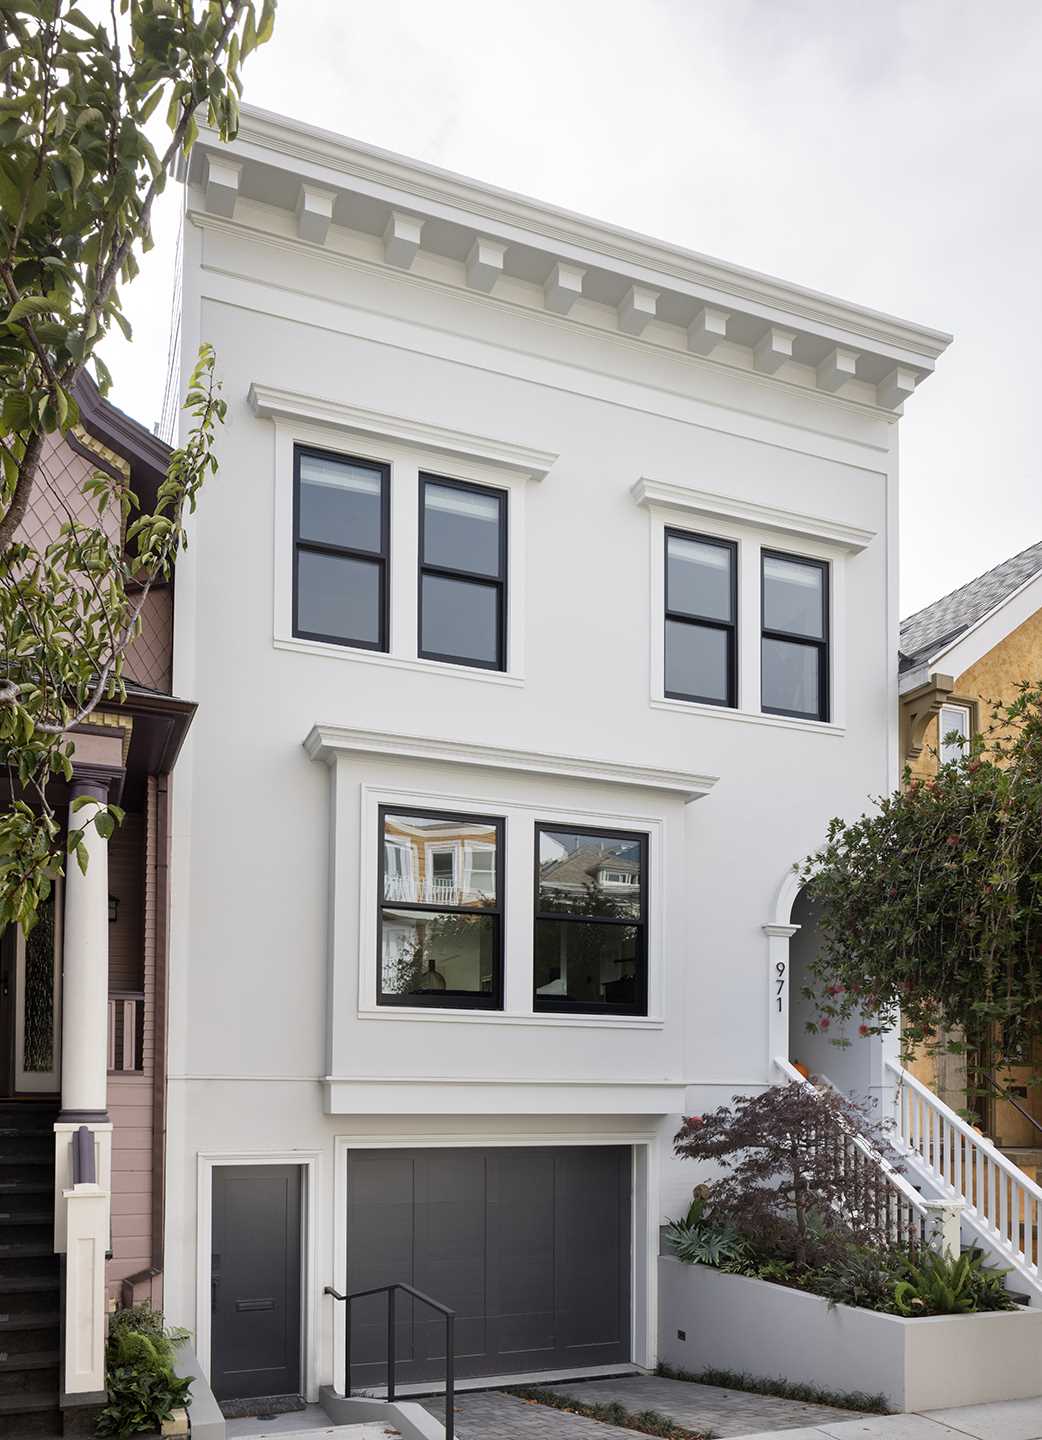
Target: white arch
[788,891]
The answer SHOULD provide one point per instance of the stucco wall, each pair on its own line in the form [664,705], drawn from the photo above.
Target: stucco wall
[269,940]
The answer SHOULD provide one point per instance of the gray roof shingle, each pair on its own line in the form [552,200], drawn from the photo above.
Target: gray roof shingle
[923,633]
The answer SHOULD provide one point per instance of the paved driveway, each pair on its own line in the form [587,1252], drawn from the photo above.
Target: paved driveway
[493,1415]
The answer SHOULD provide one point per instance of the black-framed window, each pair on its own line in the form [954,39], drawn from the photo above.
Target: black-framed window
[341,532]
[440,939]
[590,950]
[463,573]
[794,655]
[701,618]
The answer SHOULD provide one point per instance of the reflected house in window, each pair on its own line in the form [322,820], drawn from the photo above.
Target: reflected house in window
[440,915]
[590,922]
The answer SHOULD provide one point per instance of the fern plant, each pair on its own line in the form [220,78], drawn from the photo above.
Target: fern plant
[143,1387]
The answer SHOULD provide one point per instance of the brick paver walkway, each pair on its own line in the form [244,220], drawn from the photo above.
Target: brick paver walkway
[493,1415]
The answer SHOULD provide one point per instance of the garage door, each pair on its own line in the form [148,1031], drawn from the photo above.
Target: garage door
[530,1247]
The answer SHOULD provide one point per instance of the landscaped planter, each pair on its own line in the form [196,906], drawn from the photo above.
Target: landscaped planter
[732,1322]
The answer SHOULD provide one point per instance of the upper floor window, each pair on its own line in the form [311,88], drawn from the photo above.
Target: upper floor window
[590,952]
[441,910]
[701,618]
[463,573]
[340,549]
[954,718]
[794,660]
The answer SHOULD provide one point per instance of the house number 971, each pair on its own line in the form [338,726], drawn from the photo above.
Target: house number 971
[779,983]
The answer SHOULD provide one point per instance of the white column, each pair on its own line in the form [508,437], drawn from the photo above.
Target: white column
[85,980]
[778,937]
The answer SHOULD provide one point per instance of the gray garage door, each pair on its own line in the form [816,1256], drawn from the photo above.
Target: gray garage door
[530,1247]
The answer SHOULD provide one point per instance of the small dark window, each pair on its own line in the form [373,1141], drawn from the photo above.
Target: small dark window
[463,573]
[340,548]
[701,618]
[441,910]
[794,663]
[591,921]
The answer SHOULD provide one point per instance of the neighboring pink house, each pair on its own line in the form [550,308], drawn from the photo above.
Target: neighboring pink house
[126,751]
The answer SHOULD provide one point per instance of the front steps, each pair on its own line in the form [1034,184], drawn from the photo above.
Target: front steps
[29,1285]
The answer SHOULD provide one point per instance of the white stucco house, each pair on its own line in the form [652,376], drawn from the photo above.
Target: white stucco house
[542,614]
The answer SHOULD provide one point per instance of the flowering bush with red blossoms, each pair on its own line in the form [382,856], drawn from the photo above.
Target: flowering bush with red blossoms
[930,907]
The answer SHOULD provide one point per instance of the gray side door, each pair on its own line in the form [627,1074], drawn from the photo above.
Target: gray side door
[530,1246]
[256,1281]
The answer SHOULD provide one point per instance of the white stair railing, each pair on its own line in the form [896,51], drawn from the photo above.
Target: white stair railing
[1002,1206]
[908,1217]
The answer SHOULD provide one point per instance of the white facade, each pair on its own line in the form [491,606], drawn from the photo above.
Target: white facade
[374,308]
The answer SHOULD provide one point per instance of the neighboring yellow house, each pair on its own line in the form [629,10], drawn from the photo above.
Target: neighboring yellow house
[958,656]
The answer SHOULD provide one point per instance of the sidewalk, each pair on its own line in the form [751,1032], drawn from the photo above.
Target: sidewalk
[1001,1420]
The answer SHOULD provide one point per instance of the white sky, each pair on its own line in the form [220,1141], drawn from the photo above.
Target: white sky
[886,152]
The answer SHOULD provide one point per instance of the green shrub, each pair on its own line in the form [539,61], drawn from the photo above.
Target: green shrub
[698,1239]
[951,1285]
[143,1388]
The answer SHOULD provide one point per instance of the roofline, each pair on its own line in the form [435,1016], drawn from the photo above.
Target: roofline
[601,243]
[976,653]
[120,431]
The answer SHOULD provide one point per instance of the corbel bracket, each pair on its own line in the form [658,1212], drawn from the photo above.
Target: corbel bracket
[919,707]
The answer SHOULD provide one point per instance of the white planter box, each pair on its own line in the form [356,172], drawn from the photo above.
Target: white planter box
[732,1322]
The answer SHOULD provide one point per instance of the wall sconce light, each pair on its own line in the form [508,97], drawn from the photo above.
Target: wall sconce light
[113,909]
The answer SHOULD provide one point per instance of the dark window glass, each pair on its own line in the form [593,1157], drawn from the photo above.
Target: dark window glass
[790,679]
[590,921]
[793,597]
[699,578]
[340,502]
[441,913]
[340,549]
[701,613]
[461,529]
[460,619]
[462,573]
[697,662]
[338,596]
[794,655]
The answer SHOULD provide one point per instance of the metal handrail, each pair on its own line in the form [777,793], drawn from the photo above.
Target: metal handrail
[1005,1096]
[392,1358]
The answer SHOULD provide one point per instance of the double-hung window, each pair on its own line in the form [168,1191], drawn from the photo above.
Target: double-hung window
[441,910]
[954,720]
[340,549]
[701,618]
[590,952]
[463,573]
[794,657]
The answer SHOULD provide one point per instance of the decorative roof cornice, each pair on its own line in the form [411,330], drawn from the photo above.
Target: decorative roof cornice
[773,321]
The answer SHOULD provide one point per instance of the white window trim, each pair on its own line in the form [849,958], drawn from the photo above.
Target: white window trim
[750,542]
[644,1213]
[310,1161]
[405,462]
[943,728]
[519,819]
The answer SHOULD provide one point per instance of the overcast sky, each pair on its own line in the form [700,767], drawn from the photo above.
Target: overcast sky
[885,152]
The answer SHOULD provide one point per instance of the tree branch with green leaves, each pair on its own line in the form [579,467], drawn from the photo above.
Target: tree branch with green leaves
[79,178]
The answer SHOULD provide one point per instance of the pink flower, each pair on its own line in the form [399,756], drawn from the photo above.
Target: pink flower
[953,840]
[694,1122]
[824,1023]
